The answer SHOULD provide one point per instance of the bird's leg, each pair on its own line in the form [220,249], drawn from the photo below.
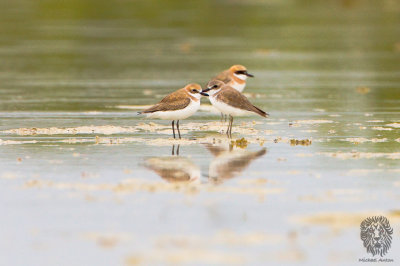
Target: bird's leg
[177,150]
[230,131]
[226,116]
[227,130]
[177,126]
[173,149]
[222,117]
[173,127]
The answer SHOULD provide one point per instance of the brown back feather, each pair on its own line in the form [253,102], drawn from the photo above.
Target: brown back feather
[224,76]
[174,101]
[238,100]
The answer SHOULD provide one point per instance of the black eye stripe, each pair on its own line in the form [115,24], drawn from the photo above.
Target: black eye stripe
[241,72]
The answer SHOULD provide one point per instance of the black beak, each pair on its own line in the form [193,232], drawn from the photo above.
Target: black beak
[249,75]
[203,93]
[205,90]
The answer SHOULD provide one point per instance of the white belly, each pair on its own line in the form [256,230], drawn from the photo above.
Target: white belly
[178,114]
[228,109]
[237,86]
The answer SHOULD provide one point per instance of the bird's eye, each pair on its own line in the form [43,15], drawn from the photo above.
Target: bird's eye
[215,86]
[194,90]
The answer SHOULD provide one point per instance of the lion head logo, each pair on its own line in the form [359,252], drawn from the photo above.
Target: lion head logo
[376,234]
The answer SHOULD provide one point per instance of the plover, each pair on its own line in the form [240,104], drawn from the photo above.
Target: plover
[177,106]
[235,77]
[230,102]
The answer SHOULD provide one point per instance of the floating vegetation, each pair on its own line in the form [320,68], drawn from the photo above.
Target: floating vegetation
[302,142]
[241,143]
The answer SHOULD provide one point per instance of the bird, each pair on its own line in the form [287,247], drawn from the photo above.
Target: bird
[230,102]
[177,106]
[235,77]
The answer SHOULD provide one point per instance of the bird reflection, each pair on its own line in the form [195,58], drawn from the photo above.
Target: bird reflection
[174,168]
[229,162]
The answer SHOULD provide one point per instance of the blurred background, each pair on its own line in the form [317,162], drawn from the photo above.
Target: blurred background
[85,181]
[91,55]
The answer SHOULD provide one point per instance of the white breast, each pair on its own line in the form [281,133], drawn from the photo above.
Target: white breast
[237,86]
[177,114]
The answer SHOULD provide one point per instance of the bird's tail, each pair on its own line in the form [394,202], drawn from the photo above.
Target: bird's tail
[260,112]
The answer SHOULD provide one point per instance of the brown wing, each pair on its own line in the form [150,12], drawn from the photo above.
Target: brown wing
[174,101]
[224,77]
[238,100]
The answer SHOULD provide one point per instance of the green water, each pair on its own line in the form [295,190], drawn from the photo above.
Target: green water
[325,71]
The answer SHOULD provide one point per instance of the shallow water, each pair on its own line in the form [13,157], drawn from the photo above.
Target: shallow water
[84,180]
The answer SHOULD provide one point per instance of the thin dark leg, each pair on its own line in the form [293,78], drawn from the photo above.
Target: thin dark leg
[173,127]
[173,150]
[222,117]
[230,131]
[177,126]
[227,130]
[177,150]
[226,116]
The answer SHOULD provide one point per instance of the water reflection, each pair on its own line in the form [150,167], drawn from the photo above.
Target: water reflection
[174,168]
[177,150]
[229,161]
